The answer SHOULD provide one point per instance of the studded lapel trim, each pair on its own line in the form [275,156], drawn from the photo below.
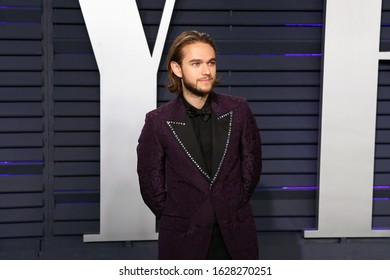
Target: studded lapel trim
[184,134]
[221,139]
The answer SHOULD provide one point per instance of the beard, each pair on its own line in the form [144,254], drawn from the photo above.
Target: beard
[195,90]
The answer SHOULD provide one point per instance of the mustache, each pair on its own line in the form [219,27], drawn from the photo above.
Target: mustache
[206,78]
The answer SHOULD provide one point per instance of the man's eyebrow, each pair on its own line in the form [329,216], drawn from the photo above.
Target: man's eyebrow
[200,60]
[195,60]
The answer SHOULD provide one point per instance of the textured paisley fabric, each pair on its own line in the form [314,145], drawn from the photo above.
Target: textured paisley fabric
[183,196]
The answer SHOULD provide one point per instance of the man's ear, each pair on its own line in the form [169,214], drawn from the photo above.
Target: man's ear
[176,69]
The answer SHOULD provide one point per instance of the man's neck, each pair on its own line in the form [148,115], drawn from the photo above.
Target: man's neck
[196,101]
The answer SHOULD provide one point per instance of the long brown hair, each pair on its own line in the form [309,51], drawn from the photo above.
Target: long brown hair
[175,53]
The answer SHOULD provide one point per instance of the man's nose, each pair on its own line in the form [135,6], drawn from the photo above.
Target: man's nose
[205,69]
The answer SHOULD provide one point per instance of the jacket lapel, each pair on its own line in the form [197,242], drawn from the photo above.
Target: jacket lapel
[184,134]
[181,127]
[220,137]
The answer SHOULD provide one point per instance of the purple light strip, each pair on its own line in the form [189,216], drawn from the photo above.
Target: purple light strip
[76,191]
[21,162]
[302,54]
[9,175]
[271,54]
[79,202]
[307,188]
[304,25]
[300,188]
[76,53]
[373,228]
[20,7]
[22,22]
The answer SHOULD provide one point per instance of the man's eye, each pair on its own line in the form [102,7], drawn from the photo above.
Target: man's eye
[196,64]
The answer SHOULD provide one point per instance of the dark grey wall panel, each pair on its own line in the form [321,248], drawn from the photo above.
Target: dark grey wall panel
[76,197]
[284,223]
[21,154]
[383,137]
[383,93]
[289,151]
[21,184]
[16,14]
[382,207]
[21,94]
[10,140]
[23,3]
[75,78]
[300,108]
[382,151]
[289,137]
[281,122]
[77,139]
[10,47]
[289,166]
[284,207]
[11,109]
[382,179]
[75,228]
[22,68]
[17,168]
[278,180]
[21,124]
[20,200]
[21,230]
[383,122]
[269,52]
[77,154]
[76,168]
[77,212]
[77,123]
[15,63]
[20,31]
[75,62]
[21,215]
[75,109]
[76,183]
[76,93]
[21,79]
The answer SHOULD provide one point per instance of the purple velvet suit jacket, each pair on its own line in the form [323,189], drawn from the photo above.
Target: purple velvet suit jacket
[183,196]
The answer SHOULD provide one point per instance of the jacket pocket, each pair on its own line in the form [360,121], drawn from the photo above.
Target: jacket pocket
[173,223]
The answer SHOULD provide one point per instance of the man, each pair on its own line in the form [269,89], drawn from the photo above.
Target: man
[199,160]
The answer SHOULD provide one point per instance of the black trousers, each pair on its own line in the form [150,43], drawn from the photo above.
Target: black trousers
[217,248]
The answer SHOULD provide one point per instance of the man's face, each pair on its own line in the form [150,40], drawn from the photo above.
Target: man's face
[198,69]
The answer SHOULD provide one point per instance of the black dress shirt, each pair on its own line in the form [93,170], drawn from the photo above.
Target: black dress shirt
[201,123]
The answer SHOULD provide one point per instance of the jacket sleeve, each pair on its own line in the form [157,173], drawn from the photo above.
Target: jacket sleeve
[150,167]
[250,150]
